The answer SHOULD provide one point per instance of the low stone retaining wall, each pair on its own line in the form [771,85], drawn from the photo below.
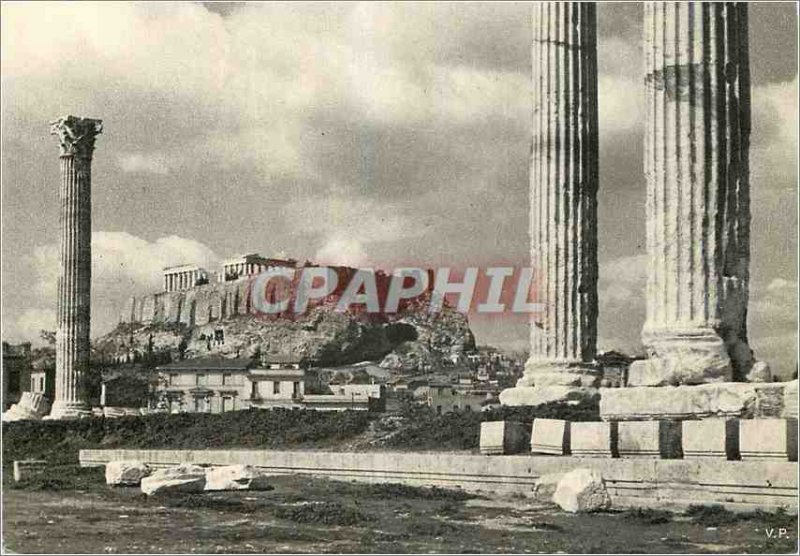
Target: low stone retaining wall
[738,485]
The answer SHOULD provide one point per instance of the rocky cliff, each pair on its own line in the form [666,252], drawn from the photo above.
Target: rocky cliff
[404,341]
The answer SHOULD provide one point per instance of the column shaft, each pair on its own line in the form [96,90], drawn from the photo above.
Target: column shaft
[698,203]
[563,190]
[74,285]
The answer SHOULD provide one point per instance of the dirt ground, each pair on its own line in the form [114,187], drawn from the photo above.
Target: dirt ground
[303,515]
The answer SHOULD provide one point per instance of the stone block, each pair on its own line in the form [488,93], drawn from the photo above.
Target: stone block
[550,436]
[710,438]
[503,437]
[31,406]
[28,468]
[597,440]
[538,395]
[237,477]
[768,439]
[582,490]
[649,439]
[728,399]
[181,478]
[126,473]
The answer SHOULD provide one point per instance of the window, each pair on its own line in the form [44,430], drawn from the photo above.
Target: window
[227,403]
[201,379]
[219,336]
[33,384]
[276,387]
[227,379]
[199,405]
[254,390]
[173,379]
[41,384]
[296,389]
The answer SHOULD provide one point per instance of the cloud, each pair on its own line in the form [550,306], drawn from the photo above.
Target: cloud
[341,251]
[33,320]
[772,324]
[145,163]
[122,265]
[774,139]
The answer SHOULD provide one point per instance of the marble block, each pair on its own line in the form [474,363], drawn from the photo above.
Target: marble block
[710,438]
[593,439]
[768,439]
[550,436]
[503,437]
[649,439]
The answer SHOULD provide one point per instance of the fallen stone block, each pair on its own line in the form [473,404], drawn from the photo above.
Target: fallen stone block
[768,439]
[503,437]
[28,468]
[710,438]
[593,439]
[182,478]
[237,477]
[126,473]
[30,406]
[582,490]
[545,487]
[649,439]
[760,372]
[550,436]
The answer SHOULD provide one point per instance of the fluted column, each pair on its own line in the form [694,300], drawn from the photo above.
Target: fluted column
[697,142]
[76,137]
[563,193]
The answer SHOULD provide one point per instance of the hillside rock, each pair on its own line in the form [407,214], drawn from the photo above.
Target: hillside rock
[323,335]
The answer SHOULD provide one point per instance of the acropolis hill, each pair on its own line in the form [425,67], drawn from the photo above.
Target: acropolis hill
[200,313]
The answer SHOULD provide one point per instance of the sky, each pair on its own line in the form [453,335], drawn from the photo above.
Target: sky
[369,134]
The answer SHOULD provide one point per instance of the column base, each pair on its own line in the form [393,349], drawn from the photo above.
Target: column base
[538,395]
[682,357]
[540,372]
[69,410]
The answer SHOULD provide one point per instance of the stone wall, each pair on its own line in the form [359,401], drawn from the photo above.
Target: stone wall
[676,484]
[194,307]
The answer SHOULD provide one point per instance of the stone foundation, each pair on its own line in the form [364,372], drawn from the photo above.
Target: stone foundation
[538,395]
[728,399]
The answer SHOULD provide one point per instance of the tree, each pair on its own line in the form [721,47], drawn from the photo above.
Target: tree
[48,336]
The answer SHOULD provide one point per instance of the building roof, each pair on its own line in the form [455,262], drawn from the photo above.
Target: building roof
[280,358]
[214,363]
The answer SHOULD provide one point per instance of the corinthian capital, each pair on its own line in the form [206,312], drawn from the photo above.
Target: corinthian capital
[76,135]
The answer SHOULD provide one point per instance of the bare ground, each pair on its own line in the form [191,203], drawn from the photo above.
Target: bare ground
[305,515]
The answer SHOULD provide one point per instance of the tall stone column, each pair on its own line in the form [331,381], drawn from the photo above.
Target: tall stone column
[697,142]
[563,199]
[76,137]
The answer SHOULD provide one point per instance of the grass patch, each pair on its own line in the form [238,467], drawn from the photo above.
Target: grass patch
[647,515]
[397,490]
[325,513]
[63,477]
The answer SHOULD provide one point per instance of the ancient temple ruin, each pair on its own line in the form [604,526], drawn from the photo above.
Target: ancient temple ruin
[697,133]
